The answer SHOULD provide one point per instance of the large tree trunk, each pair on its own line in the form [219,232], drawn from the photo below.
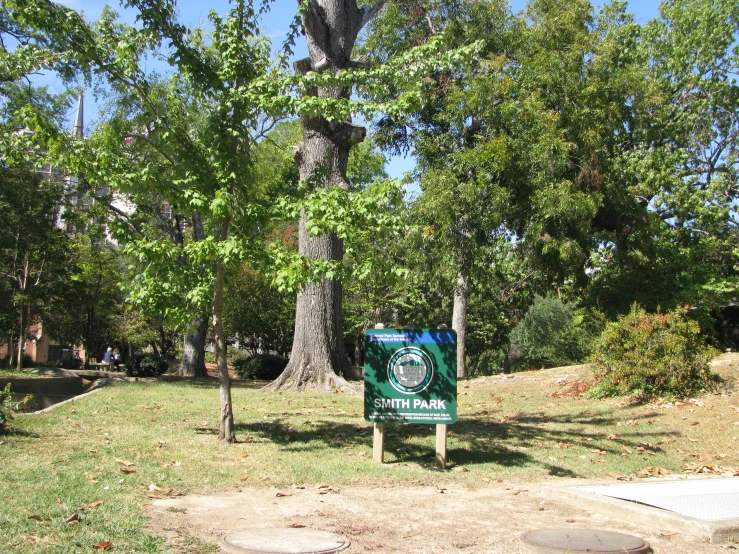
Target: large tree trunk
[193,349]
[318,358]
[193,343]
[459,318]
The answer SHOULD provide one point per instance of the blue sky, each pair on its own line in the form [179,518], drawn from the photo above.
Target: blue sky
[276,24]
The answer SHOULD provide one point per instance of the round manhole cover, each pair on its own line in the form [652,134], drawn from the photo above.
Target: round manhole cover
[283,541]
[554,541]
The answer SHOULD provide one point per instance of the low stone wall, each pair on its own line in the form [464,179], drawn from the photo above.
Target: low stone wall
[52,386]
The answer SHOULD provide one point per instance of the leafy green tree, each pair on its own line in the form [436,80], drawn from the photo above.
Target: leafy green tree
[554,333]
[257,314]
[679,166]
[221,77]
[34,250]
[493,144]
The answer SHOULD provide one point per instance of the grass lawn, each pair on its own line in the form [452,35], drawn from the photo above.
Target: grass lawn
[103,457]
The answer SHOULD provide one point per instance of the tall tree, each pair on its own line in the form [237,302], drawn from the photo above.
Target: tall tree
[318,357]
[222,77]
[34,250]
[494,163]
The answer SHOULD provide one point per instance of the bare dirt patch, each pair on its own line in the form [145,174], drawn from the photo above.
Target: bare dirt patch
[403,519]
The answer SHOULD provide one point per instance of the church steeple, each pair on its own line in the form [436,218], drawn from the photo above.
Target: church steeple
[78,128]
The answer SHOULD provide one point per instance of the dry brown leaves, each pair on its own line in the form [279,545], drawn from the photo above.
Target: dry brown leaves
[652,471]
[714,469]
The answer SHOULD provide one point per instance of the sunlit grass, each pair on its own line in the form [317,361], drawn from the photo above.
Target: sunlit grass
[113,445]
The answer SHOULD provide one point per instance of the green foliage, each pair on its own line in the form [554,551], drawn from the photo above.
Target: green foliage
[651,355]
[238,362]
[145,365]
[553,333]
[70,362]
[257,314]
[11,360]
[262,367]
[8,406]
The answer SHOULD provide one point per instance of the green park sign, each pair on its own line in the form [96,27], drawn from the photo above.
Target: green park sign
[410,376]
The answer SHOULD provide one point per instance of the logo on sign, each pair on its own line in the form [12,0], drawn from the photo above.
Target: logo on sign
[410,370]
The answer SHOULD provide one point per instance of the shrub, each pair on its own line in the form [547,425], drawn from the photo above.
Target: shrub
[145,365]
[553,333]
[650,355]
[70,362]
[238,362]
[210,357]
[488,362]
[262,367]
[8,406]
[26,361]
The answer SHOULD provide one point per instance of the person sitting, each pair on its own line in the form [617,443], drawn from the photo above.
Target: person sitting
[108,357]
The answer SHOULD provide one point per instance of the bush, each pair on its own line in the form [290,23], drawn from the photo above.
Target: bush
[651,355]
[553,333]
[70,362]
[145,365]
[262,367]
[238,362]
[8,406]
[489,362]
[26,361]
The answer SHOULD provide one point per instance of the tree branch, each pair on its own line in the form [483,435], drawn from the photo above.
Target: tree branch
[369,13]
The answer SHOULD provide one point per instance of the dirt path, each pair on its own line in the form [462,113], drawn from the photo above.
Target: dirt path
[419,520]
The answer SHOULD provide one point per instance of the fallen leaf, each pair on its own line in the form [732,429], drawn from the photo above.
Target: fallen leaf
[280,494]
[243,478]
[92,505]
[103,545]
[570,520]
[598,451]
[619,477]
[667,534]
[74,518]
[296,525]
[124,463]
[460,469]
[612,437]
[37,517]
[127,471]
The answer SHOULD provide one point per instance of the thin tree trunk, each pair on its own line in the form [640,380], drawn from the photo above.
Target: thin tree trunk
[21,337]
[459,318]
[226,432]
[318,357]
[88,334]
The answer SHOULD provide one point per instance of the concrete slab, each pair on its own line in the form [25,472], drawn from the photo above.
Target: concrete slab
[722,531]
[705,499]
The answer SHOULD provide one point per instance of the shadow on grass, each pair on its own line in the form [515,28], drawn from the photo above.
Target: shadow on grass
[211,382]
[13,431]
[476,439]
